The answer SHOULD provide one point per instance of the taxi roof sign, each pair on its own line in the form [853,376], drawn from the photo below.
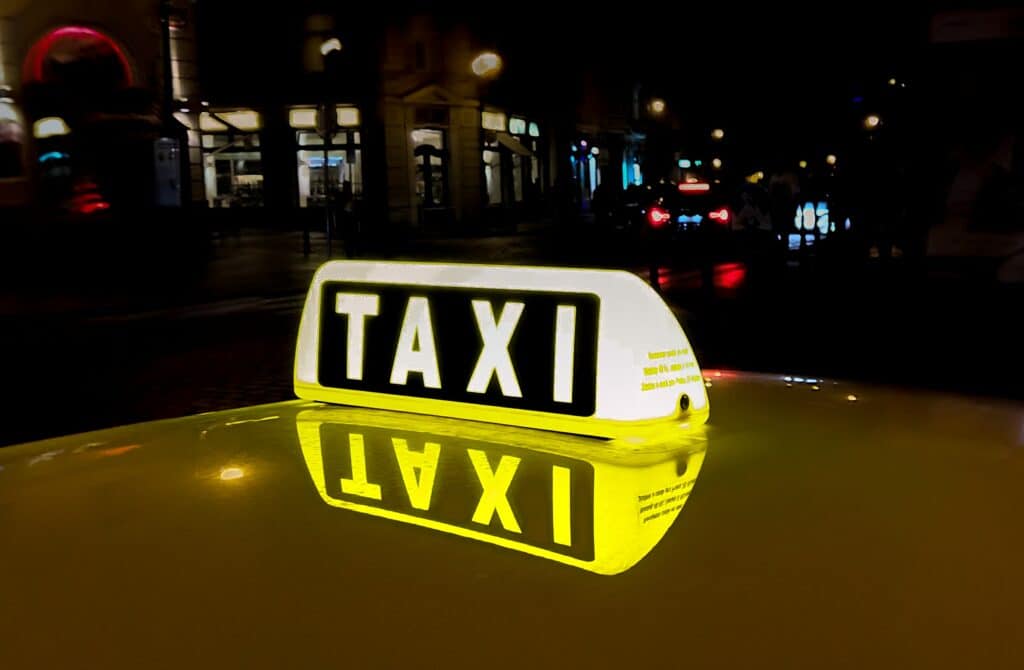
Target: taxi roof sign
[594,352]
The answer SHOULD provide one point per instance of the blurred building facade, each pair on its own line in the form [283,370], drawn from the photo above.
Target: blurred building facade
[407,119]
[84,122]
[395,117]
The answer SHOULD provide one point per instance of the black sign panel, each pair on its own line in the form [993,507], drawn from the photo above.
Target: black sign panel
[460,331]
[536,498]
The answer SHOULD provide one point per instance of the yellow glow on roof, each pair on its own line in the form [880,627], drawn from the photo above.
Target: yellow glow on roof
[230,473]
[586,505]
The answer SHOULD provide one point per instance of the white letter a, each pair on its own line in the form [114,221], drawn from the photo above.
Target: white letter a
[415,351]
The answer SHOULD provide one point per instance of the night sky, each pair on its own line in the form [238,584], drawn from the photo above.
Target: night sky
[769,72]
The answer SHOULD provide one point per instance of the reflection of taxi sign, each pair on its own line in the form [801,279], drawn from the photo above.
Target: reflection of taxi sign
[595,352]
[566,498]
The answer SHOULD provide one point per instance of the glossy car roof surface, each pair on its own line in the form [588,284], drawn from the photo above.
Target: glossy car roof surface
[831,525]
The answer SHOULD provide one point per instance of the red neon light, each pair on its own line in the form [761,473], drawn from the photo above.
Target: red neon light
[694,188]
[93,207]
[730,275]
[720,215]
[36,58]
[658,217]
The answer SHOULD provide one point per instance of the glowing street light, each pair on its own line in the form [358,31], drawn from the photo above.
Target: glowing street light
[716,163]
[892,81]
[717,134]
[831,159]
[803,165]
[486,65]
[49,126]
[871,121]
[657,106]
[329,46]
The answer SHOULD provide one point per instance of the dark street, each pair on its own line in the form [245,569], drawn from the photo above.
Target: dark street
[123,360]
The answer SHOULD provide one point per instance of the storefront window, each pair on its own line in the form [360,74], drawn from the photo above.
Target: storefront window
[431,166]
[232,161]
[517,177]
[512,165]
[12,143]
[344,170]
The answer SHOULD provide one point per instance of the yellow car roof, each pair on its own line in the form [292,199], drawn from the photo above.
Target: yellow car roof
[824,524]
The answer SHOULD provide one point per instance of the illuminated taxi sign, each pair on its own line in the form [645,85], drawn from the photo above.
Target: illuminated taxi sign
[565,498]
[595,352]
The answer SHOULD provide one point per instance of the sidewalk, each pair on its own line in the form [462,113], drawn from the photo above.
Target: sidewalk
[252,265]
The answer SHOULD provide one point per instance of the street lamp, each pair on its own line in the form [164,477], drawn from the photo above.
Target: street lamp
[803,165]
[486,65]
[716,163]
[831,159]
[657,106]
[327,121]
[329,46]
[717,134]
[871,121]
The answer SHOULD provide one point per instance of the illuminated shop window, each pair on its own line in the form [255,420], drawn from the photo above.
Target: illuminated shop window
[430,157]
[517,126]
[348,117]
[343,174]
[302,117]
[512,167]
[232,159]
[12,140]
[493,121]
[492,175]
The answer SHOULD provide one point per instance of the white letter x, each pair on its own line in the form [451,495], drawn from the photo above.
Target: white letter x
[494,358]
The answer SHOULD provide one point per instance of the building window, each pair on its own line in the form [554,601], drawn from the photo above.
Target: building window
[232,161]
[493,121]
[431,166]
[344,167]
[12,140]
[492,175]
[512,166]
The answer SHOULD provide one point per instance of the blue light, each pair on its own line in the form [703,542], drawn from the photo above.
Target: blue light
[698,163]
[318,161]
[52,155]
[793,242]
[857,99]
[625,174]
[684,163]
[696,218]
[638,177]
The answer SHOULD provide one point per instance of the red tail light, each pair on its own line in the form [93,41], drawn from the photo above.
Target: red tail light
[657,217]
[719,215]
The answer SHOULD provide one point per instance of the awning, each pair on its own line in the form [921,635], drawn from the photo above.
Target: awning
[513,144]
